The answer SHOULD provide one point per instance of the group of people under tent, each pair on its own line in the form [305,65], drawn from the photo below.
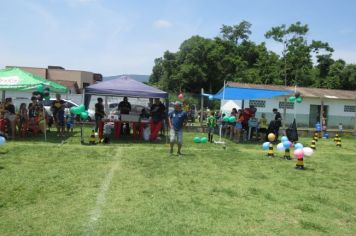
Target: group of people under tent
[243,125]
[33,117]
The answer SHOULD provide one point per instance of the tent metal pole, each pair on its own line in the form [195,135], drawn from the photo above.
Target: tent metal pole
[284,112]
[201,108]
[44,123]
[321,115]
[355,118]
[106,105]
[3,96]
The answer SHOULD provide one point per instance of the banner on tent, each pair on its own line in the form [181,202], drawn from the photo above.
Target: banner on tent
[10,80]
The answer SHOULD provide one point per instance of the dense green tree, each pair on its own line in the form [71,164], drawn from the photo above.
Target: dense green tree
[205,63]
[236,32]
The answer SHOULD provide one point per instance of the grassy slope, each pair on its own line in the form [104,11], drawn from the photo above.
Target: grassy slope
[47,188]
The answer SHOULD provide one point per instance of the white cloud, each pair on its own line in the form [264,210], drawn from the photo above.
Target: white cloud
[160,24]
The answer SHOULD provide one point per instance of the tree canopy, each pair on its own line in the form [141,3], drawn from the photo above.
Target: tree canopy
[205,63]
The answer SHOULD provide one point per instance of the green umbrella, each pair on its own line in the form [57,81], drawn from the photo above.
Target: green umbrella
[16,79]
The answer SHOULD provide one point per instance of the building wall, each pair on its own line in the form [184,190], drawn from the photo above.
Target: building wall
[36,71]
[71,75]
[336,113]
[65,75]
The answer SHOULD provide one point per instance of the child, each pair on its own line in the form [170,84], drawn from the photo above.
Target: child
[262,123]
[60,121]
[253,125]
[70,121]
[211,122]
[23,116]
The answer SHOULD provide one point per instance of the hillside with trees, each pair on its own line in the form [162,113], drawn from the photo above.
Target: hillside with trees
[205,63]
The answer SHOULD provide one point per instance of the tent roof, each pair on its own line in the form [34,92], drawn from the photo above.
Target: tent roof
[125,86]
[16,79]
[305,91]
[238,93]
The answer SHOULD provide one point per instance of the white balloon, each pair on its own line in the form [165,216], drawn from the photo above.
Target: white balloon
[308,151]
[280,147]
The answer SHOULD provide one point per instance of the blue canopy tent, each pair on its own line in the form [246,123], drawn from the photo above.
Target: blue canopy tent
[123,86]
[235,93]
[242,93]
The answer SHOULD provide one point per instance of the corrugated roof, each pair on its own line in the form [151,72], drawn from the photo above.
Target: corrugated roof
[305,92]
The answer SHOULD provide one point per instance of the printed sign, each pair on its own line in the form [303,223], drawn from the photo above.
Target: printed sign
[10,80]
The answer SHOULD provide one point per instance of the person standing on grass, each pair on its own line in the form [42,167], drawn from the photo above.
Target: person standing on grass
[23,116]
[58,106]
[277,122]
[262,124]
[177,119]
[60,121]
[157,116]
[125,108]
[211,122]
[99,113]
[10,115]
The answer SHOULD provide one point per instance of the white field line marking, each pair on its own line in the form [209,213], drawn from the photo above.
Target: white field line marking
[95,213]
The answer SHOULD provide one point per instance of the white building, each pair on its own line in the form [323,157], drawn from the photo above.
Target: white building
[338,105]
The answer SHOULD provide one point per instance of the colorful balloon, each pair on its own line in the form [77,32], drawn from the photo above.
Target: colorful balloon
[286,144]
[271,137]
[2,140]
[81,108]
[292,99]
[299,153]
[75,110]
[181,97]
[40,88]
[84,115]
[232,119]
[298,146]
[226,119]
[265,145]
[308,151]
[204,139]
[299,99]
[284,138]
[196,140]
[280,147]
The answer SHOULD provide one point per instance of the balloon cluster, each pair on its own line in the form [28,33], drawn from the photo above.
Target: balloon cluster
[41,93]
[200,140]
[271,137]
[299,150]
[80,110]
[296,98]
[229,119]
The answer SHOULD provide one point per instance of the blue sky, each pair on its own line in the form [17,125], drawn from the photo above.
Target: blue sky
[116,37]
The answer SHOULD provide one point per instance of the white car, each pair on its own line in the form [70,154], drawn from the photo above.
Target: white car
[47,105]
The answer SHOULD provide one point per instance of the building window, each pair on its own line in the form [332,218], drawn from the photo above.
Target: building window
[289,105]
[348,108]
[85,85]
[257,103]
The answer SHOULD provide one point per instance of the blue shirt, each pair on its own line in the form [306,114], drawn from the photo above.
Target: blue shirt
[177,118]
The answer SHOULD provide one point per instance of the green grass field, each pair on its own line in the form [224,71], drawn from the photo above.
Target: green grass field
[138,189]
